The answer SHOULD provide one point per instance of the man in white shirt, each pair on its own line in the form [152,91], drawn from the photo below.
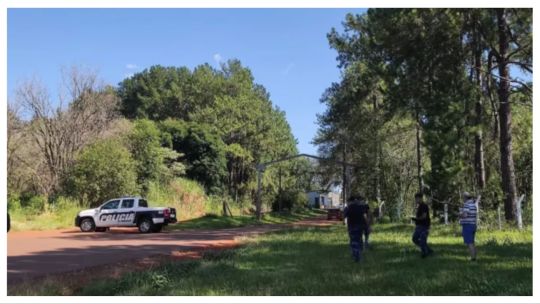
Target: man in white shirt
[468,219]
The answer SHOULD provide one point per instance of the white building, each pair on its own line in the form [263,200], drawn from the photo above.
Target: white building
[324,199]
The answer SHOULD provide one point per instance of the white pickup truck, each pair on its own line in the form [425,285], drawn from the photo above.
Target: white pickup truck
[125,212]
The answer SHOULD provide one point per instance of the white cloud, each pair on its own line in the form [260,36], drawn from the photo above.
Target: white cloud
[217,58]
[131,66]
[287,69]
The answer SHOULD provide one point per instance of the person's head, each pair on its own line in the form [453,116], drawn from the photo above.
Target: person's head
[418,198]
[356,199]
[361,199]
[467,196]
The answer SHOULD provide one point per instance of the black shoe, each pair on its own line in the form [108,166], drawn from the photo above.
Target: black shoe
[424,254]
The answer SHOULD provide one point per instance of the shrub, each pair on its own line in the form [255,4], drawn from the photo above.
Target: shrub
[187,196]
[102,170]
[384,220]
[14,202]
[153,162]
[35,205]
[290,200]
[59,214]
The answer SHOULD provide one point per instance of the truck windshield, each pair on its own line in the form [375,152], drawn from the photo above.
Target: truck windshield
[143,203]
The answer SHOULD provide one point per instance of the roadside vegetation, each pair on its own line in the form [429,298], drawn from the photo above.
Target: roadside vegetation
[183,138]
[316,261]
[429,101]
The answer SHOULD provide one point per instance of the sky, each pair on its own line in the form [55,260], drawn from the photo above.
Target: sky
[286,49]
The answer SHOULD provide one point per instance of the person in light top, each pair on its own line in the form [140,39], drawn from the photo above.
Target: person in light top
[468,219]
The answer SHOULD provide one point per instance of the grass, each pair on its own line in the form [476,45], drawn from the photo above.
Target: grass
[212,221]
[60,215]
[187,196]
[316,261]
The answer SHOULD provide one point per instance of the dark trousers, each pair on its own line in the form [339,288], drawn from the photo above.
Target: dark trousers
[364,231]
[355,239]
[420,237]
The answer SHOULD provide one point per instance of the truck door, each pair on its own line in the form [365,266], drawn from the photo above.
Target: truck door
[107,214]
[126,213]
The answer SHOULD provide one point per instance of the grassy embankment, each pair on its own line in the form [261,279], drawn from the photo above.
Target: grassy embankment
[195,210]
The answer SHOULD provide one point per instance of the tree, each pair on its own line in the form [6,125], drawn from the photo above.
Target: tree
[220,119]
[202,151]
[60,132]
[433,66]
[154,161]
[508,32]
[102,171]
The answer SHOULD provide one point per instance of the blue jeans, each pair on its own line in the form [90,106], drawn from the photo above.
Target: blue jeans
[355,240]
[419,238]
[468,232]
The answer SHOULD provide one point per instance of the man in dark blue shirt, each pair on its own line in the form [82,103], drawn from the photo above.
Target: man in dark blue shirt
[356,215]
[423,223]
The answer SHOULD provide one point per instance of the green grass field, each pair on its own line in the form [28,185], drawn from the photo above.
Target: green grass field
[316,261]
[219,222]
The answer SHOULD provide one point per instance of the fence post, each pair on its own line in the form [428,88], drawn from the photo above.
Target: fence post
[499,215]
[518,212]
[380,209]
[446,213]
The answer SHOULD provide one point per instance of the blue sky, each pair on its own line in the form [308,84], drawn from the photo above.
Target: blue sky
[286,49]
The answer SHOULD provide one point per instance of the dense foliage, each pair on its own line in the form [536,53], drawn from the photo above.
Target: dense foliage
[208,125]
[420,106]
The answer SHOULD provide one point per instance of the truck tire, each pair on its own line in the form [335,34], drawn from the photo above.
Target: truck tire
[87,225]
[145,225]
[157,228]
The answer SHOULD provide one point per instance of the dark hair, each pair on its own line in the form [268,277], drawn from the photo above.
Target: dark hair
[356,197]
[418,195]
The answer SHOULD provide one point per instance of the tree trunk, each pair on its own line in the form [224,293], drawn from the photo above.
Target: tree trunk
[505,118]
[344,184]
[419,154]
[378,170]
[478,138]
[489,92]
[279,191]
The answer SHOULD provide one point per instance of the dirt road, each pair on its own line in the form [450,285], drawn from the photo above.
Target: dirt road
[37,253]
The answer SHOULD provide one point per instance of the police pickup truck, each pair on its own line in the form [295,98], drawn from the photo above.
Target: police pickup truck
[125,212]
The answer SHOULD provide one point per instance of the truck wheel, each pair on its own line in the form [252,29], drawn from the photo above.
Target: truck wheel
[157,228]
[145,225]
[87,225]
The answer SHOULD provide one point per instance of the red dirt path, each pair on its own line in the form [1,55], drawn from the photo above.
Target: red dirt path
[69,252]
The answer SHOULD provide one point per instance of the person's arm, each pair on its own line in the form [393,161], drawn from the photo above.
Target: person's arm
[464,211]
